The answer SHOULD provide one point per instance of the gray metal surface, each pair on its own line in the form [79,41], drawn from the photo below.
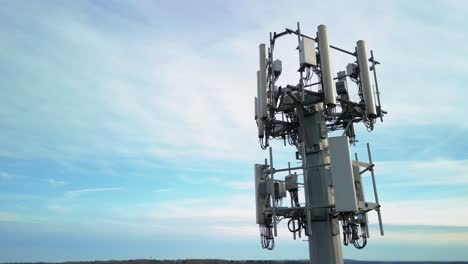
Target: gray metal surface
[342,175]
[376,195]
[291,182]
[367,91]
[259,203]
[328,85]
[260,127]
[324,241]
[262,87]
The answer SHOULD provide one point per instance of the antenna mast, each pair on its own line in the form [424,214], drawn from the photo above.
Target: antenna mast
[302,115]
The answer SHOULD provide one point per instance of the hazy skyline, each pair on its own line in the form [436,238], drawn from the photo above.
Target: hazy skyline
[127,127]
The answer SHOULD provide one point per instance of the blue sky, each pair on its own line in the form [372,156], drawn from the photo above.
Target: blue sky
[127,128]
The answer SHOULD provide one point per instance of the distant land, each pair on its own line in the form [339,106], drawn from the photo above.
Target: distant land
[221,261]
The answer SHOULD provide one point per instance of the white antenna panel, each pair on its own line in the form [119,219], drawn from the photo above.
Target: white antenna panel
[325,66]
[366,87]
[307,56]
[262,84]
[342,174]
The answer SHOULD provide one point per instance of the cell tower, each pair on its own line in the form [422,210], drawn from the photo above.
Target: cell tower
[302,115]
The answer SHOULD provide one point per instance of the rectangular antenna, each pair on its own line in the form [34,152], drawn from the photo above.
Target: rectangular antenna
[262,83]
[326,67]
[366,87]
[259,203]
[261,130]
[307,56]
[342,175]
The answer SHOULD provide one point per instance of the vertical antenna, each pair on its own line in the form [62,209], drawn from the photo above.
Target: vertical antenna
[301,74]
[376,84]
[270,76]
[328,85]
[366,87]
[256,105]
[262,89]
[259,108]
[375,189]
[292,204]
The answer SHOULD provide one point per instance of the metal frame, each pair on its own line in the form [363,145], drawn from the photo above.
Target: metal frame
[305,123]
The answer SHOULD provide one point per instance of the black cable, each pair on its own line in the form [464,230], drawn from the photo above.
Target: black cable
[358,245]
[299,225]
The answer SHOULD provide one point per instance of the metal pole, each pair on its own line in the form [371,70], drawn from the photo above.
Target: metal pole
[376,84]
[375,190]
[272,78]
[324,235]
[289,169]
[272,173]
[292,203]
[301,82]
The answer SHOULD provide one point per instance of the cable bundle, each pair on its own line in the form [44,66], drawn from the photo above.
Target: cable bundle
[266,237]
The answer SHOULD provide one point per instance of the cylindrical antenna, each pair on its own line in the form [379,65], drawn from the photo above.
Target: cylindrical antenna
[366,87]
[261,131]
[326,67]
[262,84]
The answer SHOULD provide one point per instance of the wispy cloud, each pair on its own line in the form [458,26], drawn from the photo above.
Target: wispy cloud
[428,235]
[13,217]
[54,182]
[450,212]
[425,173]
[58,208]
[6,176]
[162,190]
[19,196]
[201,216]
[234,214]
[77,193]
[243,185]
[205,117]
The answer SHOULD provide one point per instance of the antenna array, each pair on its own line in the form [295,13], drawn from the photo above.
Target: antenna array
[302,115]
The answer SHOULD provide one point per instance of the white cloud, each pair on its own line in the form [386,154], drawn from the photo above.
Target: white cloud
[425,173]
[200,217]
[6,176]
[162,190]
[54,182]
[19,196]
[163,98]
[430,212]
[77,193]
[58,208]
[243,185]
[235,215]
[13,217]
[427,236]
